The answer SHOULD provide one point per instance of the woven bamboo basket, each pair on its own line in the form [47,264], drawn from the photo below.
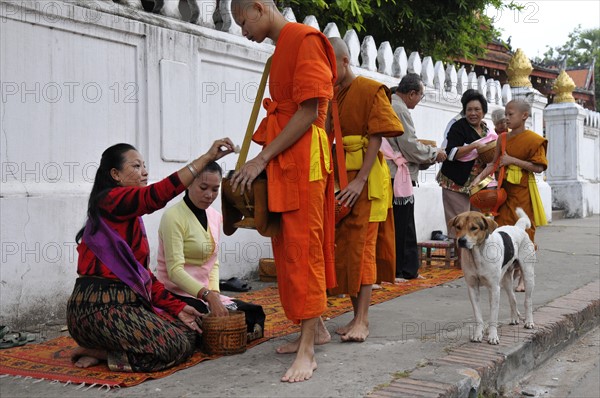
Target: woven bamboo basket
[266,270]
[486,152]
[225,335]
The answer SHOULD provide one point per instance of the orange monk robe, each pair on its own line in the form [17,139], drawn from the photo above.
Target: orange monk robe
[531,147]
[365,109]
[303,67]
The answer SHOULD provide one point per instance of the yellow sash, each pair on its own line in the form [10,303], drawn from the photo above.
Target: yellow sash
[379,182]
[514,175]
[319,144]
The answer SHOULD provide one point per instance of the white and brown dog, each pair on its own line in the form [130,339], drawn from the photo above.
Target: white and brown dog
[488,258]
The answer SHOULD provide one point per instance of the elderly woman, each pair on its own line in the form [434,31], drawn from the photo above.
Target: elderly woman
[118,311]
[188,255]
[499,120]
[462,166]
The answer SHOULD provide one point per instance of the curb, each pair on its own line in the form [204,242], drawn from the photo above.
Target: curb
[472,369]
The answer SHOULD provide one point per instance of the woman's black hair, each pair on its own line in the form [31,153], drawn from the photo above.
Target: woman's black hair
[473,96]
[213,167]
[112,158]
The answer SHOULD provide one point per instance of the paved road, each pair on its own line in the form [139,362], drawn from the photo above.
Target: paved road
[405,333]
[572,373]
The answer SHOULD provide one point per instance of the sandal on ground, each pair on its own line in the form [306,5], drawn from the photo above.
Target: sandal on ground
[16,340]
[3,330]
[234,285]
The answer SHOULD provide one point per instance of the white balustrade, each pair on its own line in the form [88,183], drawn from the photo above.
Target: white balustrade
[137,4]
[400,64]
[385,58]
[331,30]
[482,85]
[311,20]
[202,12]
[227,23]
[351,39]
[451,79]
[288,14]
[368,53]
[490,93]
[439,76]
[498,99]
[170,8]
[414,63]
[472,81]
[463,80]
[506,93]
[427,71]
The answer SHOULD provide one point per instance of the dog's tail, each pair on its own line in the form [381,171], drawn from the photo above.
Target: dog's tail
[523,221]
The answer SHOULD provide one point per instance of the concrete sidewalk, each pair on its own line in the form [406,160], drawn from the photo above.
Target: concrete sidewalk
[419,343]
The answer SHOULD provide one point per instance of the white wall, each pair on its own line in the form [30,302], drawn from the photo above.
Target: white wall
[81,75]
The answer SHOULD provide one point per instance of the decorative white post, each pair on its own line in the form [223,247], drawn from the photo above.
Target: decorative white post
[353,43]
[311,20]
[331,30]
[368,53]
[573,152]
[518,71]
[400,64]
[227,23]
[414,63]
[385,58]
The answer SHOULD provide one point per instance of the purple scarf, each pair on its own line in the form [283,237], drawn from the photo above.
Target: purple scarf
[118,257]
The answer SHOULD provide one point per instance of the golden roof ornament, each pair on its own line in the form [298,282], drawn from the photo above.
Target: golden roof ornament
[519,69]
[563,87]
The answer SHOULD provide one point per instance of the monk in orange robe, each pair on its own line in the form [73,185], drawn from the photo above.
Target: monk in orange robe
[525,155]
[364,239]
[296,155]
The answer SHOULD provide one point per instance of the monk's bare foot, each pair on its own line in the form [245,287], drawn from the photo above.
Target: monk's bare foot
[400,280]
[358,333]
[420,277]
[301,370]
[375,286]
[344,329]
[86,357]
[322,336]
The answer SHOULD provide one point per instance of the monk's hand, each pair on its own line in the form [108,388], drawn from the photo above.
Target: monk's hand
[349,195]
[215,305]
[247,174]
[507,160]
[188,315]
[220,148]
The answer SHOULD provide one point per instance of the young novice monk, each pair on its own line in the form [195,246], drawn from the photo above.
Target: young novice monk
[296,155]
[525,155]
[366,115]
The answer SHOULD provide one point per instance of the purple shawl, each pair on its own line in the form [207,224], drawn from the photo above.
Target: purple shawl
[117,256]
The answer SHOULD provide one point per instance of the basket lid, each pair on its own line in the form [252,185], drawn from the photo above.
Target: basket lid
[486,147]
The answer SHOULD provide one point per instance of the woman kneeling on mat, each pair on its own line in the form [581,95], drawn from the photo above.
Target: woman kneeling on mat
[118,311]
[188,260]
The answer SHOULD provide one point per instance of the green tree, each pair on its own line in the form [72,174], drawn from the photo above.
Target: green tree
[581,49]
[445,29]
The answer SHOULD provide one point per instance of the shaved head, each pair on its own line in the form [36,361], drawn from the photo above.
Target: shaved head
[339,47]
[243,3]
[522,106]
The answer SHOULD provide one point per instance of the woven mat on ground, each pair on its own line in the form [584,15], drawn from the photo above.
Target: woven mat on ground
[51,360]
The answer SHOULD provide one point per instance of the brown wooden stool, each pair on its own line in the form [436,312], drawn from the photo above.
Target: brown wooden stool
[449,258]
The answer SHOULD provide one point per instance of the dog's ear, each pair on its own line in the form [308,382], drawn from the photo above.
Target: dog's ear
[491,224]
[452,222]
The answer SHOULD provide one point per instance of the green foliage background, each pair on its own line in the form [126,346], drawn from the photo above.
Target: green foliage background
[444,29]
